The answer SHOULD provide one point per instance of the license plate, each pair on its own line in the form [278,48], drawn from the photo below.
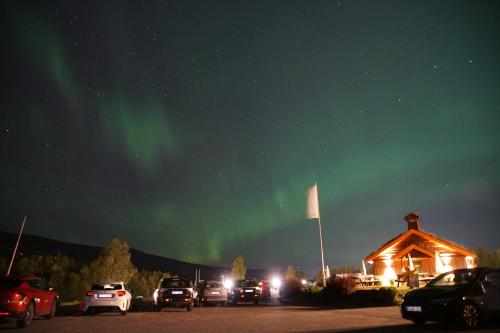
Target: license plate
[413,308]
[177,292]
[249,290]
[215,293]
[104,295]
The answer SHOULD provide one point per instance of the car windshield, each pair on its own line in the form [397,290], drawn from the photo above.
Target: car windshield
[107,286]
[454,278]
[175,284]
[248,283]
[10,283]
[214,284]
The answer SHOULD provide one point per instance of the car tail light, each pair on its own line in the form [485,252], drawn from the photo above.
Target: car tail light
[120,293]
[90,293]
[17,296]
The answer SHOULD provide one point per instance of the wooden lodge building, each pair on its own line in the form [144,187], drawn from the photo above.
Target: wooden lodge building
[426,252]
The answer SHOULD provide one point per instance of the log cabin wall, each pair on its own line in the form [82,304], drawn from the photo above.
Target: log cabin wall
[427,265]
[378,267]
[458,262]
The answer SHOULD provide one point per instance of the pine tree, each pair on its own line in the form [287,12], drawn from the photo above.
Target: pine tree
[290,274]
[239,268]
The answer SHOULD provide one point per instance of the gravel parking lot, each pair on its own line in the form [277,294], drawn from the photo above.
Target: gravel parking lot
[243,318]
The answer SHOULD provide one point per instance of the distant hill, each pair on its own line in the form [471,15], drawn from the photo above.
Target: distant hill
[84,254]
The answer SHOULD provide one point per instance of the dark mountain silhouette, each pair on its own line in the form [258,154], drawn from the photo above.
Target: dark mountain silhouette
[84,254]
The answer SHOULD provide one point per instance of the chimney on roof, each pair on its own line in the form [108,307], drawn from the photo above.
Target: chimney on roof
[413,220]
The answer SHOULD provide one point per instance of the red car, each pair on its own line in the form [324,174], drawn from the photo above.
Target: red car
[22,298]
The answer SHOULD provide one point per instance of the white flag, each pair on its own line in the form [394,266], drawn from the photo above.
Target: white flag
[312,203]
[439,263]
[364,266]
[410,263]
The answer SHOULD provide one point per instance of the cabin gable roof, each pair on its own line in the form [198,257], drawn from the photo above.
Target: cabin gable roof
[393,243]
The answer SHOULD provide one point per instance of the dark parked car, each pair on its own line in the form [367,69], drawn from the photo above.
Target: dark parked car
[25,297]
[246,291]
[174,292]
[211,292]
[469,295]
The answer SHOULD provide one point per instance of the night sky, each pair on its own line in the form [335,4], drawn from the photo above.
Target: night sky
[192,130]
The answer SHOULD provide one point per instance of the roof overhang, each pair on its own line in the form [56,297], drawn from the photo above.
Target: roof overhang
[448,245]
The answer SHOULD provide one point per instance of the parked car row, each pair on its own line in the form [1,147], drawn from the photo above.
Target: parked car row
[177,292]
[467,295]
[23,298]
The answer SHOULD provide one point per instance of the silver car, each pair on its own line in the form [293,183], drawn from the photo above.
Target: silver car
[211,292]
[108,296]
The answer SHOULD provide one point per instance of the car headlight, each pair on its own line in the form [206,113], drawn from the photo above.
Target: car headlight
[228,284]
[276,282]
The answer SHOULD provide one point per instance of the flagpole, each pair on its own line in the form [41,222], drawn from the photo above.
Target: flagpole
[312,213]
[321,240]
[322,257]
[15,248]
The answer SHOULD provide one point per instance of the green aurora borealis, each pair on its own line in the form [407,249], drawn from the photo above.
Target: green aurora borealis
[193,129]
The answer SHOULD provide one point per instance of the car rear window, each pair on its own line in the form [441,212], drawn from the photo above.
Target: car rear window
[104,286]
[214,285]
[248,283]
[175,284]
[10,283]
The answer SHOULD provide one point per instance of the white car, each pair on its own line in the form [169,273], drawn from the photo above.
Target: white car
[108,296]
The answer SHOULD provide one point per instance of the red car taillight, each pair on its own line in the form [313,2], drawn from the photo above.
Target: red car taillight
[120,293]
[90,293]
[17,296]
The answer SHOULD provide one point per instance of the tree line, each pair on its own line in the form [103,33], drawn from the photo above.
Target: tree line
[72,279]
[487,258]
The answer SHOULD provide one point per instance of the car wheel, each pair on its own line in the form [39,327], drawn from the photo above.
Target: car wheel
[27,316]
[52,312]
[189,307]
[470,315]
[256,302]
[123,313]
